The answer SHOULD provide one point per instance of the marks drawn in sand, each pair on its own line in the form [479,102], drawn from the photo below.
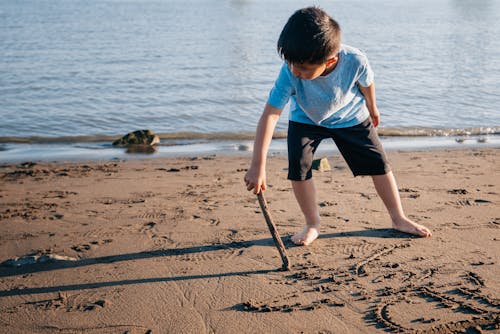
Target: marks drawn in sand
[218,255]
[480,312]
[352,250]
[412,303]
[360,267]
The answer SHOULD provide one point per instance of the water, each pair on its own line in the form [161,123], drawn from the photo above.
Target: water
[88,71]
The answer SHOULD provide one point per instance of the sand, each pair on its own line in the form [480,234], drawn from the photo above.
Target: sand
[177,245]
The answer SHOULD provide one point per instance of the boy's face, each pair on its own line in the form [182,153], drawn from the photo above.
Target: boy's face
[307,71]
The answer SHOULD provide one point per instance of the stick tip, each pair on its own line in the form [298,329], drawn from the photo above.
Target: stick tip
[285,267]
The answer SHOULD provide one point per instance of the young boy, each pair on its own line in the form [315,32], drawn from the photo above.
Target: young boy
[332,94]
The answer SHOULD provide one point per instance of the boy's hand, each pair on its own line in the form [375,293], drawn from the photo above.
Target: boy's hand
[255,179]
[371,104]
[375,115]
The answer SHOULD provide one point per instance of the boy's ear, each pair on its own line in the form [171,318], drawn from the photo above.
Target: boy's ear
[332,61]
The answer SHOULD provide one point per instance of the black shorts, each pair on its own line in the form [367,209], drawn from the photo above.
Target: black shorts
[359,145]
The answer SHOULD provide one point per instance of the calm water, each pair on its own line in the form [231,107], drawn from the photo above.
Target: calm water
[103,68]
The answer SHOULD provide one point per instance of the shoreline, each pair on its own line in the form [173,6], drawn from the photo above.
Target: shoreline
[177,244]
[80,151]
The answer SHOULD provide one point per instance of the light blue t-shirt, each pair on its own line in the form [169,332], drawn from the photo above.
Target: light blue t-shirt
[332,101]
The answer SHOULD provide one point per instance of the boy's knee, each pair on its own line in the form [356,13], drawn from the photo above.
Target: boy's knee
[298,176]
[299,167]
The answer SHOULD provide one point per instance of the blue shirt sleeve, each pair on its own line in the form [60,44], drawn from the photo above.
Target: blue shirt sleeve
[365,72]
[283,89]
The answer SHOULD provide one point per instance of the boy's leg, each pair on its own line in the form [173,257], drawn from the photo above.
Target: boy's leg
[303,140]
[363,152]
[388,191]
[305,193]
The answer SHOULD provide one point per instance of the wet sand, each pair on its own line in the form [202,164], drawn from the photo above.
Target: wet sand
[177,245]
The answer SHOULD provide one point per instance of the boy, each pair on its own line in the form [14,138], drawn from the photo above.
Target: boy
[332,95]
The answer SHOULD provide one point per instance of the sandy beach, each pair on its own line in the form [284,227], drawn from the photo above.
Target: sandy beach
[177,245]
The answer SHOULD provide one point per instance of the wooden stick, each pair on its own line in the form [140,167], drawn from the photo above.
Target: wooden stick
[274,232]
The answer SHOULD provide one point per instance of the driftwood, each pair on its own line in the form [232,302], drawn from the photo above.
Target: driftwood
[274,232]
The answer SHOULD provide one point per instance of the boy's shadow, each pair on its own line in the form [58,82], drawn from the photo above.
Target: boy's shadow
[386,233]
[382,233]
[41,267]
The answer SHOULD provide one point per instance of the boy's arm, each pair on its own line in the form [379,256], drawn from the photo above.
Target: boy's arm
[255,178]
[371,103]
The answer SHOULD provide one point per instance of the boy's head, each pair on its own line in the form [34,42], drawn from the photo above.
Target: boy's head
[310,37]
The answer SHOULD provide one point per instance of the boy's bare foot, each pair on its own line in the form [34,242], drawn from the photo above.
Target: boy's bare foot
[408,226]
[306,236]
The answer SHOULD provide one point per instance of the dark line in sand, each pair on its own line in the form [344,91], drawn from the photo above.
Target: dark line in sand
[130,257]
[7,272]
[97,285]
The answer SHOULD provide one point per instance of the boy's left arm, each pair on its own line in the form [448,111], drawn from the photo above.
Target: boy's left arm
[371,102]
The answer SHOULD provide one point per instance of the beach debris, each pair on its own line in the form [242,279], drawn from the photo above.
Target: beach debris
[140,141]
[321,165]
[175,170]
[245,147]
[27,164]
[462,139]
[39,257]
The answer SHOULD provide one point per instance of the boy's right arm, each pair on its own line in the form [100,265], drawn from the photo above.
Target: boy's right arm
[255,178]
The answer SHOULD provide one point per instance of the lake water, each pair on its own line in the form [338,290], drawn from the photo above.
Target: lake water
[87,71]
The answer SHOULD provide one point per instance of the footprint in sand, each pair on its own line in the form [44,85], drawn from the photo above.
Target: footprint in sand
[88,246]
[409,193]
[70,303]
[458,191]
[58,194]
[147,227]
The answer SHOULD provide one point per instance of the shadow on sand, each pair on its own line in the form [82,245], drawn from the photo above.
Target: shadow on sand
[6,272]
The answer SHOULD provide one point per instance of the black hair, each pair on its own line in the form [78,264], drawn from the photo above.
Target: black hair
[310,35]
